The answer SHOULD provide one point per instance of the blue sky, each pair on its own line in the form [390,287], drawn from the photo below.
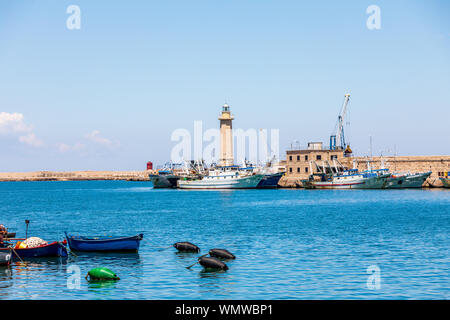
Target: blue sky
[108,96]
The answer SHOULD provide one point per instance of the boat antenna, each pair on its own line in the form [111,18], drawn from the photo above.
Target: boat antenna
[27,222]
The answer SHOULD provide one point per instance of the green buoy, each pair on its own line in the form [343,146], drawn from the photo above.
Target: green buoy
[101,274]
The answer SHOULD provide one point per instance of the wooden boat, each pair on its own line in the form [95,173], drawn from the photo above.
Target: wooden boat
[80,243]
[5,258]
[54,249]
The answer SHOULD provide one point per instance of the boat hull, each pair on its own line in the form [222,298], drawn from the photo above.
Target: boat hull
[54,249]
[130,244]
[159,181]
[270,181]
[249,182]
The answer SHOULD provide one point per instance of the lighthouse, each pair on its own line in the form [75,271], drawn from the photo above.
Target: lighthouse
[226,137]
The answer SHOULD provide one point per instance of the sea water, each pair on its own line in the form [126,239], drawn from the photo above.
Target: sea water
[289,244]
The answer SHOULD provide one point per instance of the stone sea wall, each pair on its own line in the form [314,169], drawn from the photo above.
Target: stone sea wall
[75,175]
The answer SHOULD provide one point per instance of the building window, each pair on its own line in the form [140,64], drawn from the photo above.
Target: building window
[318,157]
[306,158]
[298,158]
[290,158]
[306,169]
[333,157]
[290,170]
[298,170]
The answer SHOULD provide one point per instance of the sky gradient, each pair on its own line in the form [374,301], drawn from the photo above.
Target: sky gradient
[108,96]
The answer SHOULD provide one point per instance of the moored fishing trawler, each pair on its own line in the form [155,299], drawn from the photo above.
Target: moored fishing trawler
[349,179]
[171,173]
[223,177]
[164,179]
[337,177]
[407,180]
[272,174]
[401,180]
[270,180]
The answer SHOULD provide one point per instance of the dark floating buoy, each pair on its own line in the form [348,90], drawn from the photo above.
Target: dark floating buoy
[212,263]
[221,254]
[186,247]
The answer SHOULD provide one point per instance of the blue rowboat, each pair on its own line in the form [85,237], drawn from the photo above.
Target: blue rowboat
[54,249]
[79,243]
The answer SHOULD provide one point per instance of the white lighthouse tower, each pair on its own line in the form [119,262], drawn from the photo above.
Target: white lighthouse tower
[226,137]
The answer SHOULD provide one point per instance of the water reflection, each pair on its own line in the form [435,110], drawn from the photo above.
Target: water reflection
[5,277]
[210,273]
[6,281]
[101,284]
[132,258]
[289,243]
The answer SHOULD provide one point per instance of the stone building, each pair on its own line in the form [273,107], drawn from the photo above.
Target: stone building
[298,162]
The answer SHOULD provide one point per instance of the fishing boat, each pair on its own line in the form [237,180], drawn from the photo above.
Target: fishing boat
[445,182]
[54,249]
[80,243]
[272,172]
[223,177]
[164,179]
[336,176]
[270,180]
[407,180]
[349,179]
[5,258]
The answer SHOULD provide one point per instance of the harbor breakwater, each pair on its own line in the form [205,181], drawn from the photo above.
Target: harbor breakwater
[75,175]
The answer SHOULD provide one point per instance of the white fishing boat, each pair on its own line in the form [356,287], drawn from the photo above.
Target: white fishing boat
[228,177]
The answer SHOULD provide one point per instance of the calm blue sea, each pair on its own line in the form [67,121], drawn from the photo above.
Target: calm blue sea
[290,244]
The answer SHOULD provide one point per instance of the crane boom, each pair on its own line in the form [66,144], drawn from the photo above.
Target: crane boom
[338,134]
